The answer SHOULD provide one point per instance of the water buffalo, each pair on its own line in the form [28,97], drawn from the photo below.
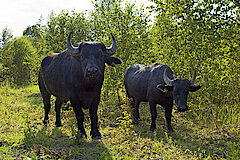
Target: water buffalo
[77,75]
[157,84]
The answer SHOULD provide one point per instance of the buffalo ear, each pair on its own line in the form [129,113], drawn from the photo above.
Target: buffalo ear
[112,61]
[194,88]
[164,88]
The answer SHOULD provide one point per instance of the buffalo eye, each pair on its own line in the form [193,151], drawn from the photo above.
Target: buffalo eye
[83,56]
[176,93]
[99,56]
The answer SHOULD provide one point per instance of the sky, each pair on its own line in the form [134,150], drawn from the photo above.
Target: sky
[17,15]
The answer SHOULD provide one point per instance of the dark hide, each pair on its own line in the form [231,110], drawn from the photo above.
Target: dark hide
[146,83]
[77,77]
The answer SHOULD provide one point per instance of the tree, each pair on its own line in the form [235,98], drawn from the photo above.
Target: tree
[130,27]
[59,26]
[36,35]
[33,31]
[202,36]
[21,60]
[6,36]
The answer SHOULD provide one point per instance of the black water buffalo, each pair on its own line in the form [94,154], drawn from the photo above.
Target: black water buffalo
[77,75]
[157,84]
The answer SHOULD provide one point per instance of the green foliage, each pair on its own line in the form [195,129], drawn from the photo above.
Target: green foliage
[185,35]
[21,60]
[202,36]
[130,27]
[24,136]
[33,31]
[59,26]
[6,36]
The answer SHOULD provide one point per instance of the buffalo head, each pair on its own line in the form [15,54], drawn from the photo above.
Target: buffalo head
[93,56]
[179,89]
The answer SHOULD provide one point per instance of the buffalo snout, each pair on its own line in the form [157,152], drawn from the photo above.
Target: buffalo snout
[182,108]
[92,72]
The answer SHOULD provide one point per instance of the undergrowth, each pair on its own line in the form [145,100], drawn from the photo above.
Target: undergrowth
[24,136]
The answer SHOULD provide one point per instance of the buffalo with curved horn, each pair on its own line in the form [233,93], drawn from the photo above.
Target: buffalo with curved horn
[77,75]
[157,84]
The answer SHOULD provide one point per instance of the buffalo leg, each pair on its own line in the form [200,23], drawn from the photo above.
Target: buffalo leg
[168,116]
[94,122]
[46,100]
[136,111]
[80,119]
[153,116]
[47,106]
[58,104]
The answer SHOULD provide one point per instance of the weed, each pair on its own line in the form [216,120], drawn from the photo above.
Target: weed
[24,136]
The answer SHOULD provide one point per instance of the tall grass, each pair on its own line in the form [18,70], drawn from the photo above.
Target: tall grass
[24,136]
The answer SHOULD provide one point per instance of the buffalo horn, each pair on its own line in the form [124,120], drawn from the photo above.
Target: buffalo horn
[192,81]
[168,81]
[110,51]
[73,50]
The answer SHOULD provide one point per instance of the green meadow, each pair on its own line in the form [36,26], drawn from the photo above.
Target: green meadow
[188,36]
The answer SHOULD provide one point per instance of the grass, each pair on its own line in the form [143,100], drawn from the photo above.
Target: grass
[23,135]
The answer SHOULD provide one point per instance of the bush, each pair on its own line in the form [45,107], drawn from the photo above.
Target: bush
[22,61]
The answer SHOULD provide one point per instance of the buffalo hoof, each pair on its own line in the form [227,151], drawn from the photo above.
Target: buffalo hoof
[58,124]
[45,122]
[96,137]
[152,128]
[170,129]
[81,135]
